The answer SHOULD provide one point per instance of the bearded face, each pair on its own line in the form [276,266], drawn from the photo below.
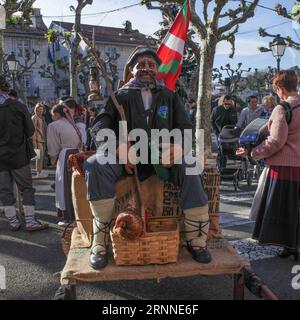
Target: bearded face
[145,69]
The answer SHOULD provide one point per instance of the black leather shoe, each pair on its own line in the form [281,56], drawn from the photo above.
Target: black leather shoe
[201,255]
[286,252]
[98,260]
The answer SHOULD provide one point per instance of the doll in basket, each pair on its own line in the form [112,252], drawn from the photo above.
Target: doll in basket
[147,104]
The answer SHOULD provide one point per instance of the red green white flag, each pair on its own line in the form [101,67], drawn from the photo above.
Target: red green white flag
[171,49]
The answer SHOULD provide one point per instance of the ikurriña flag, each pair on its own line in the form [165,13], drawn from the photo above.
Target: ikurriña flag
[171,49]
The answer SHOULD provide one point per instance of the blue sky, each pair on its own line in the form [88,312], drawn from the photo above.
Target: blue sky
[147,21]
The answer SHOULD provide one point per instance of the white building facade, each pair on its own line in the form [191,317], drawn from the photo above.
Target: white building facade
[19,40]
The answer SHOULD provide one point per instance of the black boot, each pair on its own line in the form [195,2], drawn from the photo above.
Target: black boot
[201,255]
[98,260]
[286,252]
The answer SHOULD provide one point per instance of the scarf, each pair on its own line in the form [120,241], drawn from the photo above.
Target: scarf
[135,84]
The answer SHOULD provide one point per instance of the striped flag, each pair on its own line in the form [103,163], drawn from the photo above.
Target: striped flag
[172,48]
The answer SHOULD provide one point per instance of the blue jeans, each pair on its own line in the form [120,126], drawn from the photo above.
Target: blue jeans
[101,180]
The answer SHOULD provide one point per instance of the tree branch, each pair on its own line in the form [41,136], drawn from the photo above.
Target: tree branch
[288,40]
[230,37]
[27,66]
[217,11]
[195,19]
[205,7]
[247,12]
[234,13]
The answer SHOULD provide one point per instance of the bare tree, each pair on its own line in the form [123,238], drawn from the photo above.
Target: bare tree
[11,7]
[23,68]
[222,25]
[24,6]
[47,73]
[234,76]
[294,15]
[81,4]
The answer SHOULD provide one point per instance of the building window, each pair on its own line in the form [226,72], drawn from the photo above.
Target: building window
[27,84]
[111,51]
[57,45]
[22,46]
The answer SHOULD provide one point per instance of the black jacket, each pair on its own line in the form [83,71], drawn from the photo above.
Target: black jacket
[221,117]
[15,128]
[166,112]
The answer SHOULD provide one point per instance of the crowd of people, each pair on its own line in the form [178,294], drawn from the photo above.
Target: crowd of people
[275,207]
[47,135]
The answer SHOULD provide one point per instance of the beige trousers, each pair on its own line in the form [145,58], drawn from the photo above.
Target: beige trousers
[39,164]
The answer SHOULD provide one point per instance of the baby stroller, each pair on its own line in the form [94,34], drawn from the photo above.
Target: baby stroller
[228,144]
[252,136]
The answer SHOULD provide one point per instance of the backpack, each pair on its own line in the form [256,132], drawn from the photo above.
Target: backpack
[288,111]
[257,131]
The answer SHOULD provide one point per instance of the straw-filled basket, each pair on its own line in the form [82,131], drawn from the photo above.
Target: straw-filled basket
[159,244]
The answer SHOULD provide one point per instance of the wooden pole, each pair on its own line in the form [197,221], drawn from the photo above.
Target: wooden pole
[115,101]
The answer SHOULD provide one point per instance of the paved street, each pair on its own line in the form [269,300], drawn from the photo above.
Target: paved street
[32,261]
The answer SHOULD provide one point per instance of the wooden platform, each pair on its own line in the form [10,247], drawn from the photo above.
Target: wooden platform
[225,260]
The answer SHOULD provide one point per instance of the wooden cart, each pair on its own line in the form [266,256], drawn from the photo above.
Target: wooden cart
[225,259]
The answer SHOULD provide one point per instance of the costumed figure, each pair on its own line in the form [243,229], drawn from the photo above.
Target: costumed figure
[147,104]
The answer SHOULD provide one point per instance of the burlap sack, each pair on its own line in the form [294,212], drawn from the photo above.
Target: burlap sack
[83,213]
[161,198]
[211,181]
[125,190]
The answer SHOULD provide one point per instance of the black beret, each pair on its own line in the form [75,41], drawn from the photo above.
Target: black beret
[143,51]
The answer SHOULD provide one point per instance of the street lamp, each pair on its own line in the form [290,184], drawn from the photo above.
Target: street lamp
[94,85]
[12,65]
[278,48]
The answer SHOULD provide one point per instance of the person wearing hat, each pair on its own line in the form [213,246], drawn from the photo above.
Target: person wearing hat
[148,105]
[73,107]
[16,129]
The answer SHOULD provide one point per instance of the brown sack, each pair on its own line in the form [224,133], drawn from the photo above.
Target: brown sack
[211,181]
[83,213]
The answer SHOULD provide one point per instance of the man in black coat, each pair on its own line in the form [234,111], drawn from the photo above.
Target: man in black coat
[16,129]
[223,115]
[148,105]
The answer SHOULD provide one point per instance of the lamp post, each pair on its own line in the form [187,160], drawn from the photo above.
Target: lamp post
[12,66]
[2,27]
[94,85]
[278,48]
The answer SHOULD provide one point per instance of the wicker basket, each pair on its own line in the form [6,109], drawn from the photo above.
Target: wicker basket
[158,245]
[76,160]
[66,238]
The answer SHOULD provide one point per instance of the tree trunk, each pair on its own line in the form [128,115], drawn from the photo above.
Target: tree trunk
[1,50]
[54,70]
[73,72]
[208,49]
[194,85]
